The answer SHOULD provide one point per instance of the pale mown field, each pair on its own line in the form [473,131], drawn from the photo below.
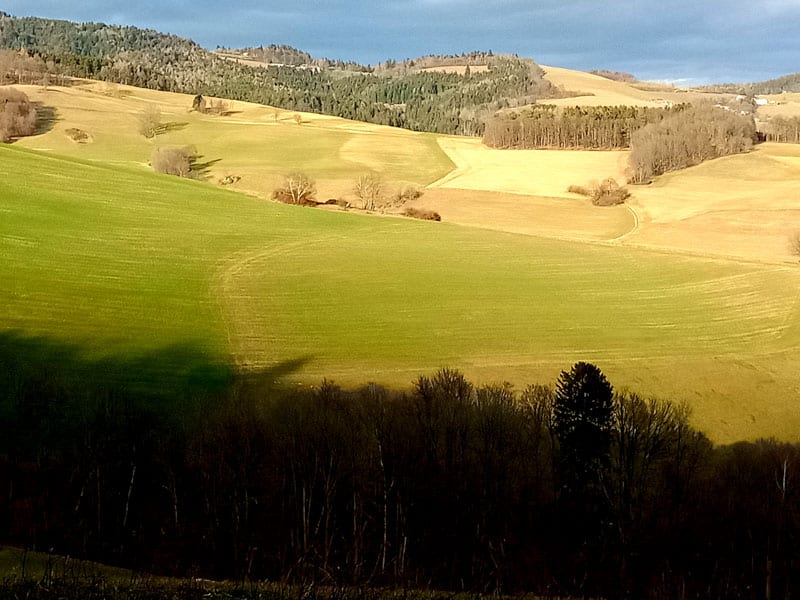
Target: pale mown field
[783,105]
[692,295]
[593,90]
[745,206]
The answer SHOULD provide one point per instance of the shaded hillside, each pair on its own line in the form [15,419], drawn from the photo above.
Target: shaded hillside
[422,101]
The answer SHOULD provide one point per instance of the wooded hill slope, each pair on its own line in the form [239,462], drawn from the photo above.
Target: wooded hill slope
[414,99]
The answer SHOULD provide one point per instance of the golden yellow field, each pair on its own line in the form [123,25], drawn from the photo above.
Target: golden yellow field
[532,172]
[743,206]
[783,105]
[594,90]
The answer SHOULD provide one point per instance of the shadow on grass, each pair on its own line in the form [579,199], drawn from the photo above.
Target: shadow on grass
[46,117]
[200,167]
[52,381]
[171,126]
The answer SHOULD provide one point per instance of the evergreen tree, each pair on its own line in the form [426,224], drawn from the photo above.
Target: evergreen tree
[583,419]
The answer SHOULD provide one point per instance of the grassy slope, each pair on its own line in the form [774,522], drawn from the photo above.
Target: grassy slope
[744,205]
[257,143]
[122,261]
[594,90]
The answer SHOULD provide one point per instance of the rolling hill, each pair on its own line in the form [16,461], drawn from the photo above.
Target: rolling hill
[118,261]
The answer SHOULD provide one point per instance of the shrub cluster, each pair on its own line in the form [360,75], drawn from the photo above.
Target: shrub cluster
[606,193]
[17,114]
[422,213]
[79,136]
[174,161]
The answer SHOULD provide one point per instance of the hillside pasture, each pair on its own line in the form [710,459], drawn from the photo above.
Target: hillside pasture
[119,261]
[554,217]
[259,144]
[780,105]
[594,90]
[742,206]
[531,172]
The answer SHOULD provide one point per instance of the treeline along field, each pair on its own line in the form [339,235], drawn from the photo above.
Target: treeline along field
[783,129]
[578,127]
[660,139]
[573,490]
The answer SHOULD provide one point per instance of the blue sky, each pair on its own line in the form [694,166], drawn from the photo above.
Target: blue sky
[692,40]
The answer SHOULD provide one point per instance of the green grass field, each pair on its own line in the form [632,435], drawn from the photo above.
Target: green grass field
[258,143]
[118,261]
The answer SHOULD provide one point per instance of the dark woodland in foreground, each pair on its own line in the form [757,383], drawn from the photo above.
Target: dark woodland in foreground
[574,489]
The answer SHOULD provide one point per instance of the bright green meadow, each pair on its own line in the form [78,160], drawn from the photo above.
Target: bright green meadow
[117,261]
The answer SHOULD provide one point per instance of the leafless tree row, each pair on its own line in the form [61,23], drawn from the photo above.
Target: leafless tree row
[688,138]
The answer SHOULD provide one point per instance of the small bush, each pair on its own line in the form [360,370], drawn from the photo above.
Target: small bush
[174,161]
[411,192]
[78,136]
[199,103]
[406,194]
[607,193]
[17,115]
[220,108]
[422,213]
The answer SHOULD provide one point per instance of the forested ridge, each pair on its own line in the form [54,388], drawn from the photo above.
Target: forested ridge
[407,97]
[785,83]
[571,490]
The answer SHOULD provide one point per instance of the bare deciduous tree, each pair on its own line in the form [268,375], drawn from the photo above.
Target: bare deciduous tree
[150,121]
[297,188]
[17,114]
[369,189]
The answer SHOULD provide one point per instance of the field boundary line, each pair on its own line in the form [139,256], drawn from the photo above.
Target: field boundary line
[461,168]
